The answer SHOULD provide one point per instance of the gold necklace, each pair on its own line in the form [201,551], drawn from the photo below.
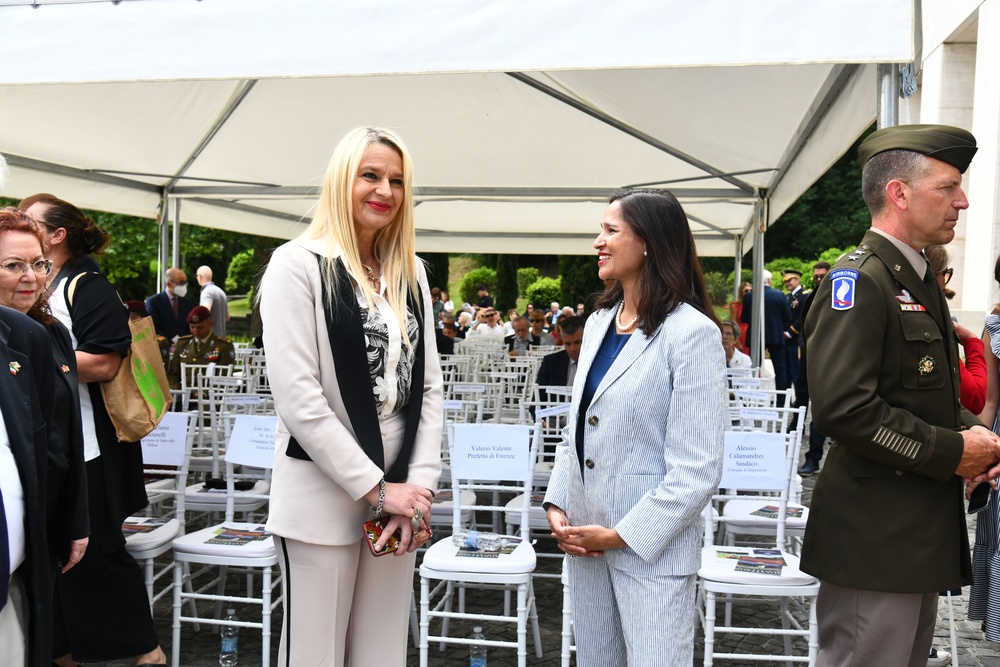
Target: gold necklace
[618,318]
[372,278]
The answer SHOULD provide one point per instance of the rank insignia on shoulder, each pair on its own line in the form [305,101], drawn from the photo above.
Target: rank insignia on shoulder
[926,365]
[844,282]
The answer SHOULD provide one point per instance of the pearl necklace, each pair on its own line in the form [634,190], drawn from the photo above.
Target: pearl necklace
[618,318]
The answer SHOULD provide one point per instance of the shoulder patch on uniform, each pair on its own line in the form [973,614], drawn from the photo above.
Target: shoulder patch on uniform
[844,282]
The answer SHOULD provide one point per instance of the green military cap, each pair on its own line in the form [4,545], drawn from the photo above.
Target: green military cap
[941,142]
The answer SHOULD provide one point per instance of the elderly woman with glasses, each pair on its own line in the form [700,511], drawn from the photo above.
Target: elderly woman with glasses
[101,609]
[23,269]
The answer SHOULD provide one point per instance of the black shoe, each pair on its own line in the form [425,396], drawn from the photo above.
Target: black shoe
[808,468]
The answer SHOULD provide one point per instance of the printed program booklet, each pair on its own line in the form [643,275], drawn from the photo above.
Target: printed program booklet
[236,537]
[771,512]
[761,561]
[133,526]
[508,544]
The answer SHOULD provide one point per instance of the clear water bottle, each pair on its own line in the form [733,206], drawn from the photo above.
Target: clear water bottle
[230,638]
[477,651]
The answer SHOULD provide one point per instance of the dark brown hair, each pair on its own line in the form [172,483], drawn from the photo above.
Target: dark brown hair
[83,236]
[671,274]
[14,220]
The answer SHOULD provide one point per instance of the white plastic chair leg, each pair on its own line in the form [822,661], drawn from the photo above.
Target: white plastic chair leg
[951,628]
[709,627]
[414,624]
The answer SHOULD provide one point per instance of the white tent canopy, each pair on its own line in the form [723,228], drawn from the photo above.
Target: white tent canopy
[521,115]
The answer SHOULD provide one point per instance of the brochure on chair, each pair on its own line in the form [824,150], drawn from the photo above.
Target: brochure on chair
[137,525]
[771,512]
[507,545]
[761,561]
[236,537]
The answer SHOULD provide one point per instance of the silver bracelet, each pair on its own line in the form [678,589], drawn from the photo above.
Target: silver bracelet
[377,510]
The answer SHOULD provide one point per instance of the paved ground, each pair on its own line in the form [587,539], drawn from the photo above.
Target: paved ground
[201,649]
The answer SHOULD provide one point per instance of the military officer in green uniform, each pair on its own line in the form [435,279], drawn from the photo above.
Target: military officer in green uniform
[887,529]
[201,347]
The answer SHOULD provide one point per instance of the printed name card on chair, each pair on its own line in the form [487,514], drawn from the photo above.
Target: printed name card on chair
[252,441]
[490,451]
[165,445]
[753,461]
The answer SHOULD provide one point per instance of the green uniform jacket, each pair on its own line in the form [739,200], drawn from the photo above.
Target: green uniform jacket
[215,349]
[887,511]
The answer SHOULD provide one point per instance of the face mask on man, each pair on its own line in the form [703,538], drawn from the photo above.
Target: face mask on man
[180,290]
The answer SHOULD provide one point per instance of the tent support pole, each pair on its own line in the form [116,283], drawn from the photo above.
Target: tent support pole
[887,107]
[176,258]
[163,224]
[738,268]
[757,318]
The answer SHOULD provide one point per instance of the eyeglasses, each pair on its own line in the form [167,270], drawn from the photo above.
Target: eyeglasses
[16,267]
[947,273]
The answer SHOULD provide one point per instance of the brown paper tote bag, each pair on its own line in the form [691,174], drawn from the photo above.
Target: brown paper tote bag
[139,395]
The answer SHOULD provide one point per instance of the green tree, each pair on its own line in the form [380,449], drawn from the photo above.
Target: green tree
[579,280]
[241,273]
[544,291]
[830,214]
[506,294]
[437,268]
[525,276]
[481,276]
[719,288]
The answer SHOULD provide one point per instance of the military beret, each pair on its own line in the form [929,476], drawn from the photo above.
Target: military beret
[199,314]
[791,272]
[136,307]
[941,142]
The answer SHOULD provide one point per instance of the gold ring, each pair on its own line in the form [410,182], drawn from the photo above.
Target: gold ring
[418,514]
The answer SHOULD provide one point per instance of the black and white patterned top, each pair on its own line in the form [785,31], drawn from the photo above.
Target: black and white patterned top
[390,360]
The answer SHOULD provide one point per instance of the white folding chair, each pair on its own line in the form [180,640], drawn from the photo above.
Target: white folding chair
[165,452]
[232,543]
[482,457]
[568,645]
[756,516]
[214,498]
[767,571]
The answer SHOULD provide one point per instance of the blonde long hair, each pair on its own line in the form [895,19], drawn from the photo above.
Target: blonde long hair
[394,246]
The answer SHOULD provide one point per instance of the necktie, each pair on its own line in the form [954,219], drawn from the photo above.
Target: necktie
[173,304]
[4,555]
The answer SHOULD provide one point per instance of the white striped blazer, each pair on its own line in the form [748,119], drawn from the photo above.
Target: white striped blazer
[652,442]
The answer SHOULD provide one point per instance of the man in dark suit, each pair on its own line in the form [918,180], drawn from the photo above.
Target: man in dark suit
[777,317]
[559,368]
[26,403]
[795,298]
[169,308]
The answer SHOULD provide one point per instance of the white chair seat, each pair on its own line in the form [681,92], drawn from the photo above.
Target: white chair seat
[716,569]
[740,514]
[158,490]
[441,509]
[142,539]
[537,518]
[211,542]
[443,557]
[197,495]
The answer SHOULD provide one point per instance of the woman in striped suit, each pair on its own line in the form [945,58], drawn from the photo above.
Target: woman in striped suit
[645,451]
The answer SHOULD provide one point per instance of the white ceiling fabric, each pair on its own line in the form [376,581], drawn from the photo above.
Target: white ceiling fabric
[521,116]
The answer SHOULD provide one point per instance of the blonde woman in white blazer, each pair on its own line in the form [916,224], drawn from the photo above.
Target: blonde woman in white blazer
[352,361]
[645,449]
